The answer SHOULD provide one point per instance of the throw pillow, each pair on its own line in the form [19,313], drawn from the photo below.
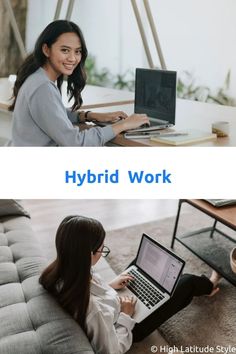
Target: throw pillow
[12,207]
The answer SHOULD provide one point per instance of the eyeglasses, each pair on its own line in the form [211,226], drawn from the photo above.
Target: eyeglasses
[105,251]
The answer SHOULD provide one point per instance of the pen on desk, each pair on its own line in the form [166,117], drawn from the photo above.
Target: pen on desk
[172,134]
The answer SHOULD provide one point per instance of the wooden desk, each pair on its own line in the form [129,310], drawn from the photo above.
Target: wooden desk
[189,115]
[210,244]
[93,96]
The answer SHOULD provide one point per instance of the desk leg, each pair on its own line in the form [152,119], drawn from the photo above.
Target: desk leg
[176,223]
[213,229]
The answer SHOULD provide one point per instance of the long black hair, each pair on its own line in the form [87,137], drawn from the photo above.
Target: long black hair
[75,82]
[68,277]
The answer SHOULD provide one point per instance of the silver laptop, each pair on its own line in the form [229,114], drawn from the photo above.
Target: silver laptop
[155,95]
[221,202]
[156,272]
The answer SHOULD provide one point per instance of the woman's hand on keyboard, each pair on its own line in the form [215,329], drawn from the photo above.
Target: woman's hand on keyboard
[127,304]
[132,122]
[121,281]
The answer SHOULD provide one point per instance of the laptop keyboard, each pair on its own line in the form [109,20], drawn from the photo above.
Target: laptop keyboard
[151,124]
[154,124]
[149,295]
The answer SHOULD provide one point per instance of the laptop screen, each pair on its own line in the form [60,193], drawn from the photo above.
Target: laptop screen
[162,265]
[155,93]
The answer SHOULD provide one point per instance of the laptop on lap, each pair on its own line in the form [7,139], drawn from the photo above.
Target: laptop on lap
[156,271]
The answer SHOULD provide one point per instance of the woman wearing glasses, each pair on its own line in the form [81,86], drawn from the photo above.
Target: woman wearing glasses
[39,116]
[105,317]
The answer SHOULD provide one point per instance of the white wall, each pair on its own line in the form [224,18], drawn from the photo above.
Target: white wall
[195,35]
[199,36]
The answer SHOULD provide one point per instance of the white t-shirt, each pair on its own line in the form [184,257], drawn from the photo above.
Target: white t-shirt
[108,329]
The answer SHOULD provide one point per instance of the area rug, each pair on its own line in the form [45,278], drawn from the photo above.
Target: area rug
[206,321]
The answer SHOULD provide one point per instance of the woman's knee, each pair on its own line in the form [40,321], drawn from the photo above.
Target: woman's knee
[194,285]
[186,282]
[185,289]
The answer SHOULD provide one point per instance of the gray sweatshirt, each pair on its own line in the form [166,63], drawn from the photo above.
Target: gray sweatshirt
[40,118]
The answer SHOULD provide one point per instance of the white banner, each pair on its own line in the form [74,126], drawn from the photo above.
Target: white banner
[94,173]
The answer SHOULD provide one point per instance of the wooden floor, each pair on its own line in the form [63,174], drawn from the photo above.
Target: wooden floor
[113,214]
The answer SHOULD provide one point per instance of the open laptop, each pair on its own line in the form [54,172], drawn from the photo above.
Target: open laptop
[156,271]
[155,95]
[221,202]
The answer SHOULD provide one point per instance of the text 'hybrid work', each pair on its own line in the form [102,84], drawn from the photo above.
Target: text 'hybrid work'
[107,177]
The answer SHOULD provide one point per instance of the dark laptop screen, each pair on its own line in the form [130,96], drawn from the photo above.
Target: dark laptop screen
[162,265]
[155,93]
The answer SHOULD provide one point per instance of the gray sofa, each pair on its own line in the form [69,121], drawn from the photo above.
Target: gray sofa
[31,321]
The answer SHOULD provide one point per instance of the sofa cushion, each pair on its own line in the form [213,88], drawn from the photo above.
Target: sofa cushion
[8,273]
[62,337]
[16,319]
[10,294]
[5,254]
[9,223]
[25,249]
[31,319]
[21,343]
[13,236]
[28,267]
[3,239]
[49,310]
[32,288]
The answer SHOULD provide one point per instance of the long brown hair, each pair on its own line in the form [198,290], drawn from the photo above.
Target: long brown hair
[68,277]
[75,82]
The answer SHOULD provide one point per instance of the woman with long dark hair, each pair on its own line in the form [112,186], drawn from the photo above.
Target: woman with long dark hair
[39,116]
[105,317]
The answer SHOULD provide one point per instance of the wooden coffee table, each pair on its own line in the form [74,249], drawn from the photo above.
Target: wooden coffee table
[210,244]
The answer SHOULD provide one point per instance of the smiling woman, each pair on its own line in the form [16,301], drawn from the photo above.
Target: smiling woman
[62,58]
[39,116]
